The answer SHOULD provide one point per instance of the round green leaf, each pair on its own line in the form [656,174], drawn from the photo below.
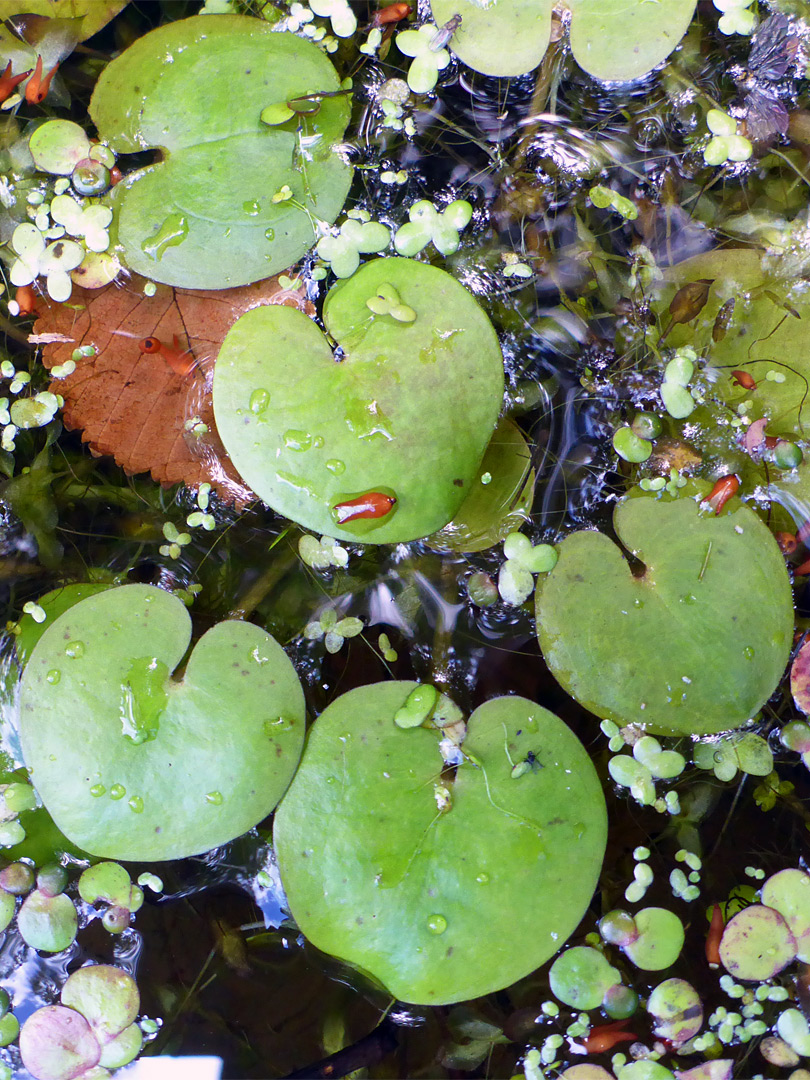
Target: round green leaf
[133,765]
[503,37]
[693,645]
[677,1009]
[619,40]
[659,942]
[379,875]
[788,892]
[328,433]
[106,997]
[57,1044]
[756,944]
[47,923]
[204,216]
[123,1048]
[57,146]
[580,977]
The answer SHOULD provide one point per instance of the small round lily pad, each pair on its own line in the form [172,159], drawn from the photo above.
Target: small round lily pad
[134,765]
[660,939]
[47,923]
[361,449]
[205,216]
[57,146]
[756,944]
[58,1044]
[788,892]
[688,646]
[677,1010]
[581,976]
[398,878]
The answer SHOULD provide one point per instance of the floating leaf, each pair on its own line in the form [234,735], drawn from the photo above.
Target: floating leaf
[368,434]
[677,1010]
[659,942]
[504,37]
[380,877]
[765,338]
[580,977]
[47,923]
[204,217]
[94,13]
[691,646]
[788,892]
[132,765]
[756,944]
[132,404]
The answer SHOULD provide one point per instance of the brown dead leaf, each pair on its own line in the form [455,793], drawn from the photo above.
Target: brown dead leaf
[132,405]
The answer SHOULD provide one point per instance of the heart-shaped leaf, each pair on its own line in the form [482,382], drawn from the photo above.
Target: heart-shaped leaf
[132,765]
[397,869]
[694,645]
[405,415]
[204,217]
[764,339]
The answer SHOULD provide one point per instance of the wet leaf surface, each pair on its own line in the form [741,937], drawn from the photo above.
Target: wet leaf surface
[205,217]
[377,875]
[690,646]
[308,434]
[134,766]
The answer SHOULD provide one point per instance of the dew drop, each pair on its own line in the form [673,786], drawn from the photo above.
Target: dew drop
[74,649]
[172,232]
[483,878]
[97,790]
[748,652]
[318,442]
[251,207]
[277,725]
[336,466]
[259,400]
[53,676]
[214,797]
[269,234]
[117,791]
[437,924]
[295,439]
[136,804]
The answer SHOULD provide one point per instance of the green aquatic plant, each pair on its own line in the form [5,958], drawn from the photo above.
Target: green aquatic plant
[395,868]
[94,1026]
[674,648]
[613,40]
[359,450]
[133,765]
[204,216]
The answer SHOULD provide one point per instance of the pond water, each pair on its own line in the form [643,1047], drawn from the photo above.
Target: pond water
[638,243]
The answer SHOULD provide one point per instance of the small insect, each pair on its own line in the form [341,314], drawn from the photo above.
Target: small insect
[716,928]
[375,504]
[116,176]
[744,379]
[773,52]
[444,33]
[180,360]
[9,82]
[393,13]
[687,303]
[721,323]
[725,488]
[604,1037]
[37,89]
